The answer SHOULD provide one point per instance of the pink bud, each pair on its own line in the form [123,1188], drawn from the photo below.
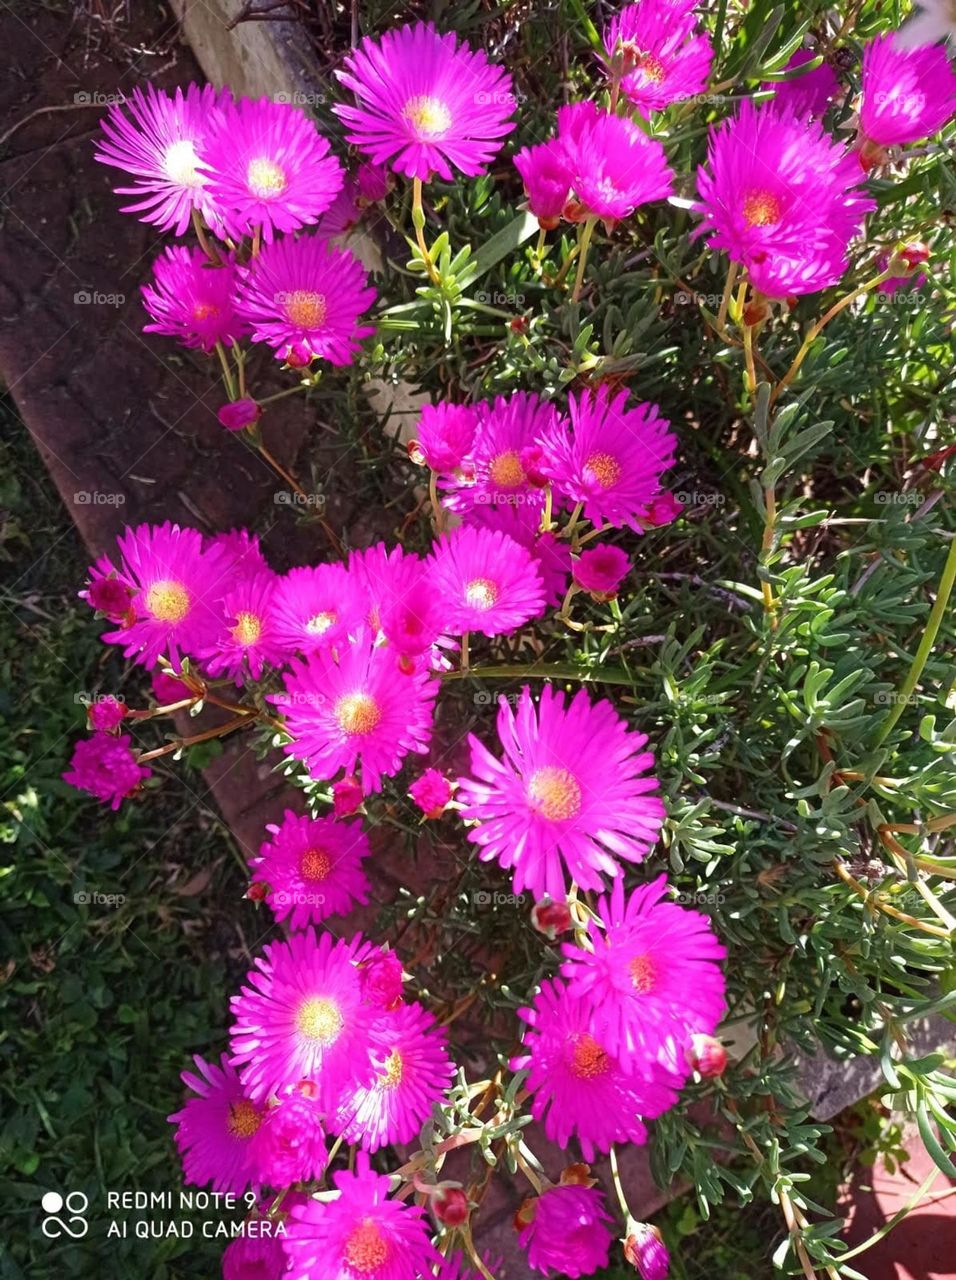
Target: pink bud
[167,689]
[664,509]
[451,1207]
[110,596]
[706,1056]
[297,355]
[374,182]
[106,714]
[551,918]
[601,570]
[239,414]
[382,980]
[346,796]
[645,1250]
[431,792]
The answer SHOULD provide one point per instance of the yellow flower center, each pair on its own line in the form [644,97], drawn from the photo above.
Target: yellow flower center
[366,1249]
[761,208]
[315,865]
[248,628]
[265,178]
[391,1077]
[179,164]
[643,974]
[168,600]
[603,469]
[319,1020]
[306,310]
[429,117]
[506,470]
[357,713]
[244,1118]
[588,1059]
[481,593]
[319,623]
[555,793]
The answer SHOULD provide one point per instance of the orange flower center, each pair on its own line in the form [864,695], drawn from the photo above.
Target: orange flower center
[555,793]
[248,628]
[265,178]
[357,713]
[650,67]
[320,1020]
[761,208]
[603,469]
[366,1249]
[315,865]
[643,974]
[305,309]
[506,470]
[588,1059]
[168,600]
[244,1118]
[428,116]
[481,593]
[204,311]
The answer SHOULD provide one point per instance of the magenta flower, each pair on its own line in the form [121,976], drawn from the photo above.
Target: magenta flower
[658,52]
[382,979]
[487,582]
[645,1250]
[444,435]
[107,592]
[159,144]
[106,767]
[239,414]
[347,797]
[413,621]
[179,586]
[316,607]
[665,509]
[781,197]
[292,1140]
[613,165]
[426,103]
[383,578]
[567,1234]
[551,554]
[908,94]
[412,1072]
[359,711]
[431,792]
[493,472]
[255,1257]
[809,94]
[654,973]
[301,1017]
[247,642]
[579,1088]
[613,457]
[601,570]
[167,689]
[304,292]
[572,793]
[363,1234]
[313,867]
[241,550]
[191,300]
[219,1130]
[546,176]
[266,165]
[104,714]
[373,181]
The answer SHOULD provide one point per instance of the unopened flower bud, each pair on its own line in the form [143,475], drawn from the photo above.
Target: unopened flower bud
[239,414]
[645,1250]
[346,797]
[450,1206]
[551,918]
[707,1056]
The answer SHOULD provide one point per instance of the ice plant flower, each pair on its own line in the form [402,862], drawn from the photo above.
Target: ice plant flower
[314,607]
[653,974]
[347,797]
[425,103]
[493,473]
[305,292]
[579,1088]
[613,457]
[908,94]
[292,1141]
[104,714]
[313,867]
[658,53]
[551,554]
[106,767]
[219,1130]
[601,570]
[239,414]
[565,1231]
[247,642]
[159,144]
[267,166]
[782,198]
[444,435]
[382,979]
[412,1073]
[613,165]
[431,792]
[645,1250]
[546,176]
[809,94]
[357,712]
[362,1234]
[191,300]
[107,592]
[301,1017]
[571,795]
[487,582]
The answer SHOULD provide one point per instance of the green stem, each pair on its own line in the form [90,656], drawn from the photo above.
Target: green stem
[226,371]
[586,235]
[418,222]
[543,671]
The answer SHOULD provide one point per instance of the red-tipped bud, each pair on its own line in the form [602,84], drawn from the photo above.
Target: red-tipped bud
[706,1056]
[913,254]
[645,1250]
[551,918]
[256,893]
[239,414]
[450,1206]
[346,797]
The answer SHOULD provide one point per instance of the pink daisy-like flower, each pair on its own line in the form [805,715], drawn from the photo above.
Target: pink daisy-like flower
[809,94]
[316,607]
[219,1130]
[567,1233]
[613,457]
[266,165]
[106,767]
[601,570]
[572,791]
[412,1072]
[579,1087]
[241,550]
[159,143]
[781,197]
[487,582]
[306,293]
[613,165]
[546,176]
[106,713]
[551,554]
[908,94]
[247,643]
[363,1234]
[413,621]
[496,475]
[179,586]
[191,300]
[357,711]
[431,792]
[444,435]
[426,103]
[660,54]
[313,867]
[302,1017]
[654,973]
[292,1145]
